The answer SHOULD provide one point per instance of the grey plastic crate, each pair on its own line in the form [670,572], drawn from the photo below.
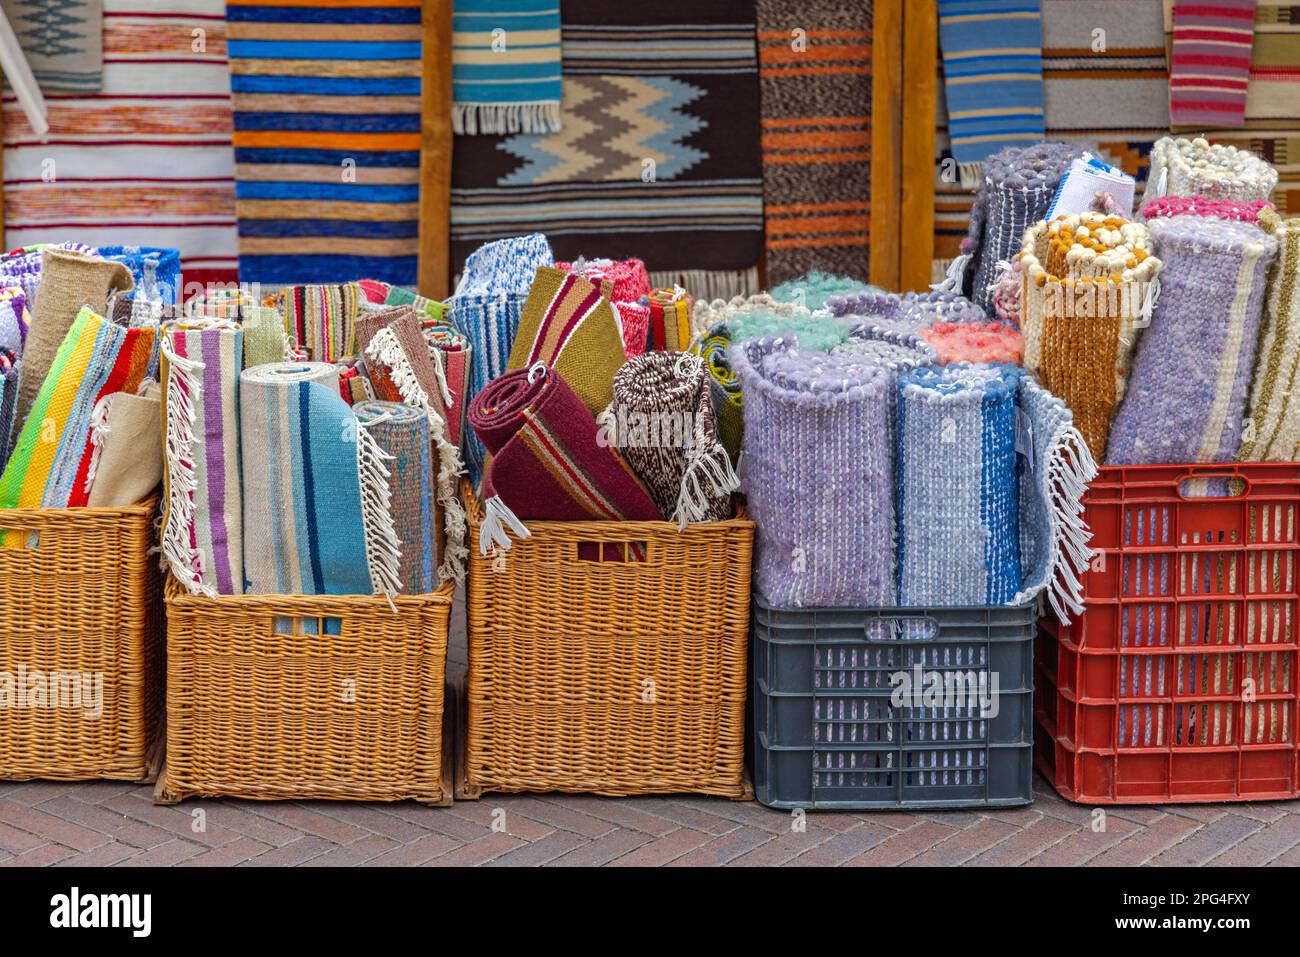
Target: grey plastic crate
[828,734]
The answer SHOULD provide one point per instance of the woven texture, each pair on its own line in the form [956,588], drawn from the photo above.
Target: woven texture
[975,342]
[547,460]
[402,434]
[129,461]
[916,309]
[14,318]
[819,475]
[203,509]
[486,307]
[302,510]
[8,401]
[993,68]
[62,42]
[321,319]
[1088,282]
[85,601]
[1183,167]
[69,280]
[499,86]
[52,453]
[663,418]
[156,272]
[453,358]
[1192,370]
[1019,185]
[284,697]
[569,325]
[724,387]
[816,122]
[630,283]
[1273,423]
[1209,62]
[326,105]
[958,491]
[657,154]
[1201,206]
[605,676]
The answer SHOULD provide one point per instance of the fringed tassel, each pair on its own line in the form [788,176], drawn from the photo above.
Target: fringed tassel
[182,391]
[98,433]
[707,478]
[1069,468]
[709,284]
[383,546]
[440,372]
[491,118]
[497,518]
[385,349]
[952,281]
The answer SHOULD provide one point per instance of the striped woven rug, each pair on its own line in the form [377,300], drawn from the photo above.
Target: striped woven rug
[816,100]
[1105,87]
[146,159]
[327,139]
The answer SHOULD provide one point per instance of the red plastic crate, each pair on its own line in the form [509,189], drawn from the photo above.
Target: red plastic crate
[1179,682]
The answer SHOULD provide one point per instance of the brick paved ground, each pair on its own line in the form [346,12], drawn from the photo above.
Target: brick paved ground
[104,823]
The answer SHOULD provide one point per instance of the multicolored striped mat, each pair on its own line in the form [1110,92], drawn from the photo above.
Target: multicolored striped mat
[327,139]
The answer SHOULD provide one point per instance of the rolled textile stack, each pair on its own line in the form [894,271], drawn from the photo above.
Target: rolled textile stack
[377,295]
[203,517]
[8,401]
[668,319]
[629,282]
[1183,167]
[1191,372]
[1018,189]
[69,280]
[303,504]
[1090,280]
[1200,206]
[662,418]
[819,474]
[486,306]
[401,432]
[569,325]
[321,319]
[156,271]
[14,318]
[724,386]
[452,360]
[127,460]
[22,267]
[401,369]
[1273,421]
[546,459]
[958,492]
[53,452]
[264,337]
[975,342]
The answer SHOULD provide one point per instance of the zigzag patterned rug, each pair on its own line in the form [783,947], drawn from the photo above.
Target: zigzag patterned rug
[62,40]
[657,157]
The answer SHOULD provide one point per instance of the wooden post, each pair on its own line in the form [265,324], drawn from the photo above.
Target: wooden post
[435,151]
[886,141]
[920,79]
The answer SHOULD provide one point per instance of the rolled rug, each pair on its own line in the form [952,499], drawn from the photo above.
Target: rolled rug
[975,342]
[453,361]
[628,278]
[1192,370]
[486,306]
[958,492]
[1183,167]
[662,422]
[155,271]
[547,461]
[1089,283]
[1201,206]
[22,267]
[724,387]
[569,325]
[814,331]
[911,308]
[127,453]
[52,454]
[1273,420]
[427,308]
[401,369]
[69,280]
[819,475]
[14,318]
[303,507]
[1018,189]
[401,433]
[668,319]
[896,347]
[8,401]
[264,337]
[321,318]
[203,516]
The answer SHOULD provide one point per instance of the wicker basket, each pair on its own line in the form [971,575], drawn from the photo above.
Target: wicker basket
[81,619]
[608,677]
[278,697]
